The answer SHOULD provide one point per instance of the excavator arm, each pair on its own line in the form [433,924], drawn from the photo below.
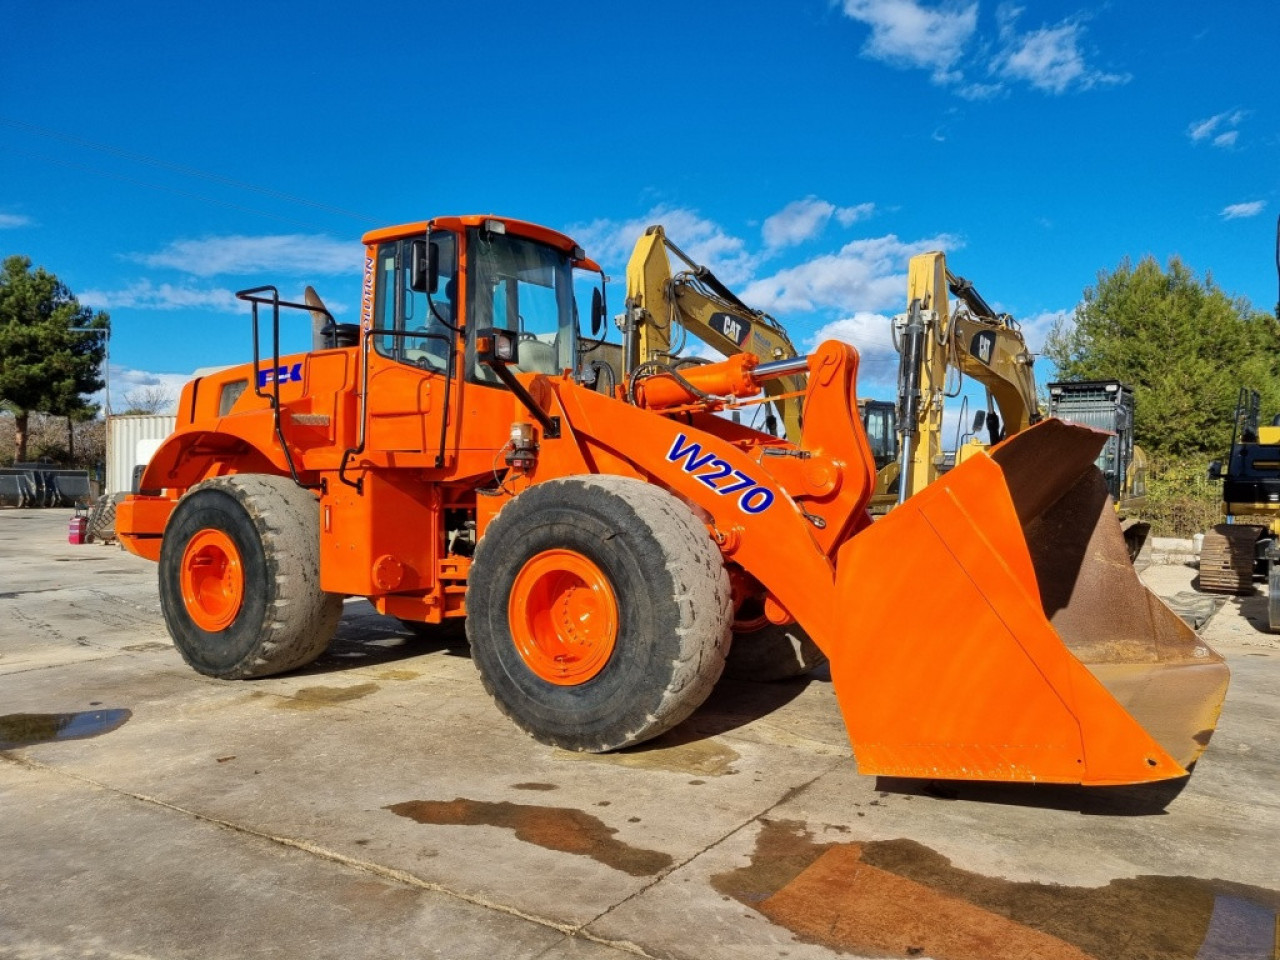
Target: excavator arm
[971,339]
[662,303]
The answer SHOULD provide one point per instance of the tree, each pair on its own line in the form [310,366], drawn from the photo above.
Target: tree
[148,400]
[1184,346]
[45,366]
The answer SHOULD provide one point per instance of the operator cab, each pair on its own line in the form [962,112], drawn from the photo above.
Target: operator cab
[519,278]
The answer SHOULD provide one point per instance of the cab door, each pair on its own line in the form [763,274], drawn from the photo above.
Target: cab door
[414,356]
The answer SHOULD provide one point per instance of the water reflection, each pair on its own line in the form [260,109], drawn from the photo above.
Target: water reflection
[28,729]
[899,898]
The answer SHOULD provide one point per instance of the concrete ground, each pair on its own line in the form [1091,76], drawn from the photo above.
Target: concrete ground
[378,805]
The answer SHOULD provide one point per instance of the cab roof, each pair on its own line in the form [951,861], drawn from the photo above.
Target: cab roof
[521,228]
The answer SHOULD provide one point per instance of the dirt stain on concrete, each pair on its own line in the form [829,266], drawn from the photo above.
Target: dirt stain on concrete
[669,752]
[398,675]
[534,786]
[29,729]
[554,828]
[898,898]
[315,698]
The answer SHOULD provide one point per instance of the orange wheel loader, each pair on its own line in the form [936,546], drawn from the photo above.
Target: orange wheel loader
[448,457]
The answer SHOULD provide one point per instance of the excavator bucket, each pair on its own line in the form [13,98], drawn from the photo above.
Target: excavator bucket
[1016,641]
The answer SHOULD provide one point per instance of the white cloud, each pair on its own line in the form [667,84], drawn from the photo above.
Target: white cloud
[11,221]
[144,295]
[847,216]
[865,275]
[1222,129]
[610,242]
[906,33]
[804,219]
[1236,211]
[797,222]
[1049,58]
[279,255]
[1035,329]
[872,335]
[126,380]
[944,39]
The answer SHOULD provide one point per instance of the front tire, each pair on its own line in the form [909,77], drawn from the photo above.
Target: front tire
[598,612]
[240,578]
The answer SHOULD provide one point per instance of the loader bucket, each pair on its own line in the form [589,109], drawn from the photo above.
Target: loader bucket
[1015,641]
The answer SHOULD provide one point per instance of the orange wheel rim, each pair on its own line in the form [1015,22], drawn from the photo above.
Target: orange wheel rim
[212,580]
[564,617]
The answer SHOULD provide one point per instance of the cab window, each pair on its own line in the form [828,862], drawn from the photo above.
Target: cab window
[424,318]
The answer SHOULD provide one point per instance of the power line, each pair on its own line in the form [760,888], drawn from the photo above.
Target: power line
[164,189]
[180,169]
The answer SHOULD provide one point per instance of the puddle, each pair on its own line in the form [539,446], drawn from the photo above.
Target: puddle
[314,698]
[28,729]
[554,828]
[898,898]
[398,674]
[669,752]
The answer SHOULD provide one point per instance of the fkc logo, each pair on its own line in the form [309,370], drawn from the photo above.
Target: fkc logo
[280,375]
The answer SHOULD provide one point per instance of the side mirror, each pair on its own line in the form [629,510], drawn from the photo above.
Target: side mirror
[1215,470]
[979,420]
[424,266]
[597,312]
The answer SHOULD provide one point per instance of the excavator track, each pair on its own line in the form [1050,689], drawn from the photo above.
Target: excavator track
[1227,558]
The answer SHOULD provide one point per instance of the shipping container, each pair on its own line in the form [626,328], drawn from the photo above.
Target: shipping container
[131,440]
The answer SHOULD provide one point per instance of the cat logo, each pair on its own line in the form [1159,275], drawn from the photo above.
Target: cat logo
[982,346]
[730,327]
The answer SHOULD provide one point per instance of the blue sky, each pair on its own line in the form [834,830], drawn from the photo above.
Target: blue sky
[158,156]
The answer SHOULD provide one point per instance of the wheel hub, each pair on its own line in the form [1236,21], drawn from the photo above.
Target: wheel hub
[564,617]
[212,578]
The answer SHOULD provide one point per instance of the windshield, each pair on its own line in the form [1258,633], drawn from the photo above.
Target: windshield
[525,287]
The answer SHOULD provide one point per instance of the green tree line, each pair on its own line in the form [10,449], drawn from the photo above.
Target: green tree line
[1186,348]
[1183,345]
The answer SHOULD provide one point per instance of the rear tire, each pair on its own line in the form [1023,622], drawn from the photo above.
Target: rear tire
[770,652]
[240,578]
[598,612]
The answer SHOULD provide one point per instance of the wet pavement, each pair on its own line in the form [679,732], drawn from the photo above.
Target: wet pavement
[378,805]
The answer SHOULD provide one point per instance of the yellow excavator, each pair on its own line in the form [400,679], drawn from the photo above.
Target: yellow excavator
[939,344]
[664,306]
[935,342]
